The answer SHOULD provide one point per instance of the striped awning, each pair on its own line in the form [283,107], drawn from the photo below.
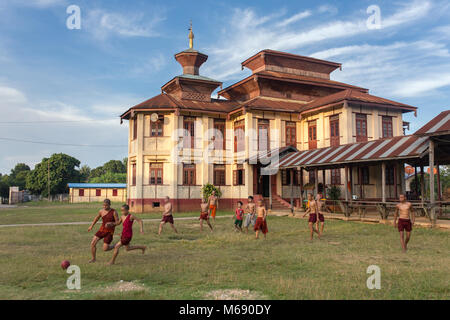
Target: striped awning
[437,126]
[268,156]
[383,149]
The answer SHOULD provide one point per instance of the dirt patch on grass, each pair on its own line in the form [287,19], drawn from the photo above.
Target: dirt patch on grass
[234,294]
[125,286]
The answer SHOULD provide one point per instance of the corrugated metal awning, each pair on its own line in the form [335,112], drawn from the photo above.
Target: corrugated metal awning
[437,126]
[376,150]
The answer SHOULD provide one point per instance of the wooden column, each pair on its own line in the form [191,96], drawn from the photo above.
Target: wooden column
[395,182]
[324,195]
[292,189]
[360,179]
[415,179]
[301,187]
[346,183]
[316,177]
[351,183]
[432,195]
[422,184]
[383,182]
[270,192]
[402,177]
[438,178]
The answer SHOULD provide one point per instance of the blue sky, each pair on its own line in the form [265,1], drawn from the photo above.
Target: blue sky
[69,86]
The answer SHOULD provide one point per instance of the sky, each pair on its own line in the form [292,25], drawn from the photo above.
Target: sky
[67,87]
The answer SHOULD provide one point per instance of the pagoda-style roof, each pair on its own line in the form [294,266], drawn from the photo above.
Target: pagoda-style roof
[355,96]
[235,90]
[166,102]
[271,60]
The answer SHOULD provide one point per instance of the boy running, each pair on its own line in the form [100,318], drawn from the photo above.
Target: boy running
[250,216]
[313,210]
[261,223]
[239,215]
[110,220]
[167,216]
[204,215]
[405,221]
[127,233]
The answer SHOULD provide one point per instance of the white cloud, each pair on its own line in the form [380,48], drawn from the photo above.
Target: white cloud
[103,24]
[150,65]
[423,85]
[407,13]
[241,38]
[10,95]
[61,122]
[36,3]
[297,17]
[400,69]
[326,8]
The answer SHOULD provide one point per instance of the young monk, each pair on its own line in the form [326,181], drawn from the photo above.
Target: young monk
[238,217]
[127,233]
[204,215]
[406,220]
[250,217]
[213,202]
[261,223]
[313,210]
[167,216]
[320,209]
[110,220]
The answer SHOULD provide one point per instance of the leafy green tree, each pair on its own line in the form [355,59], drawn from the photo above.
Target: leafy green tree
[85,172]
[19,175]
[5,183]
[110,177]
[207,190]
[114,166]
[62,169]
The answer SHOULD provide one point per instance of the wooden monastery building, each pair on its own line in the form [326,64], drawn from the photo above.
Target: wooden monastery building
[288,113]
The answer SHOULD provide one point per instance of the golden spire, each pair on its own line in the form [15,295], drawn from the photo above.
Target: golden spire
[191,37]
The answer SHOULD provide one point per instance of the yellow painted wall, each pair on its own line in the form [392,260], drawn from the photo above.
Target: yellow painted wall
[90,195]
[145,149]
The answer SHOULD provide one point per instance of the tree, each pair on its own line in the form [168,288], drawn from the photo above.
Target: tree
[62,171]
[110,177]
[114,166]
[5,183]
[19,175]
[85,172]
[110,167]
[207,190]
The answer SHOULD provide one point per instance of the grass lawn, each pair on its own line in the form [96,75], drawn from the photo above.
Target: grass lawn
[194,265]
[43,212]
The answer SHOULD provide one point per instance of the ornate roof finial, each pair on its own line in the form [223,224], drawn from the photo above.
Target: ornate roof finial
[191,37]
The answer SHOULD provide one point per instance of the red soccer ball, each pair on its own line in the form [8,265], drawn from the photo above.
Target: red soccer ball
[65,264]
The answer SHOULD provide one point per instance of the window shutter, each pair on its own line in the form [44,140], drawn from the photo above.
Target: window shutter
[235,182]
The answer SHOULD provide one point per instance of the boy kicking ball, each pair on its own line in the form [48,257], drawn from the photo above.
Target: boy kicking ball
[127,233]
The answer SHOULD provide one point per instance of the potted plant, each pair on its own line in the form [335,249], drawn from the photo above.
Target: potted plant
[334,193]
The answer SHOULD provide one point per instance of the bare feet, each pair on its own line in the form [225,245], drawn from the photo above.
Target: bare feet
[92,261]
[110,263]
